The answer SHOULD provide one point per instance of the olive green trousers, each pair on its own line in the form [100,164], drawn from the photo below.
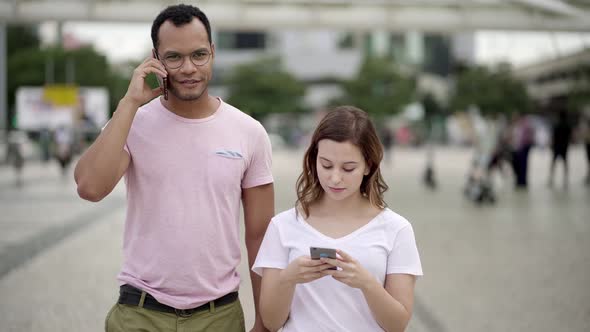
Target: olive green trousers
[129,318]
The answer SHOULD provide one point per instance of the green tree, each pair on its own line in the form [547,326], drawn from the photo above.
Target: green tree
[431,106]
[19,37]
[491,91]
[27,67]
[262,87]
[378,88]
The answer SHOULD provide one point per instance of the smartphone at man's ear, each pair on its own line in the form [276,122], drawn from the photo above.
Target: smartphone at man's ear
[162,82]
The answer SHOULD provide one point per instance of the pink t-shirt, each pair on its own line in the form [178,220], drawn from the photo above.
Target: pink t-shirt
[184,184]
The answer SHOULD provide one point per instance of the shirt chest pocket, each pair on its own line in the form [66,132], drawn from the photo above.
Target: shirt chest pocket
[226,168]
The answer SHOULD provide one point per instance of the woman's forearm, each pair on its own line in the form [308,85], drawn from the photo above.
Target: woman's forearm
[275,299]
[389,313]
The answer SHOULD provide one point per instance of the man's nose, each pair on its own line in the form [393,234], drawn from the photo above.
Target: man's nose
[188,66]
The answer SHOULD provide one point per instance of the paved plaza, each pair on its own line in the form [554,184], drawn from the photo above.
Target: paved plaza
[520,265]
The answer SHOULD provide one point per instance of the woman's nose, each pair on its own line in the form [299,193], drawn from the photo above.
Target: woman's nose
[335,177]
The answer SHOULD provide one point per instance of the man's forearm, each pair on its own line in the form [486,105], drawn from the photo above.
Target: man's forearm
[97,170]
[252,246]
[258,205]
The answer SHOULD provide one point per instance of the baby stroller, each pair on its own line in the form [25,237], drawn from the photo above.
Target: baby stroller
[479,186]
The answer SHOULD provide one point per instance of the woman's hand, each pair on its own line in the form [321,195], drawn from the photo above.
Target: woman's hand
[350,271]
[304,269]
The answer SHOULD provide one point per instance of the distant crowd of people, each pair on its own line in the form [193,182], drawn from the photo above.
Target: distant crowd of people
[57,144]
[503,147]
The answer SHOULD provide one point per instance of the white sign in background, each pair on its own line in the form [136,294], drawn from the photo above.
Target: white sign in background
[33,113]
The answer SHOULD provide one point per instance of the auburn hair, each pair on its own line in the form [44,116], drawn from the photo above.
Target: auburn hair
[343,124]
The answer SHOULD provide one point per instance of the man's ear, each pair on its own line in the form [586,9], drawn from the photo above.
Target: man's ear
[212,50]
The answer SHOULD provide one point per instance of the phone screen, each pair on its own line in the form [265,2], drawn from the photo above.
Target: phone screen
[317,253]
[162,82]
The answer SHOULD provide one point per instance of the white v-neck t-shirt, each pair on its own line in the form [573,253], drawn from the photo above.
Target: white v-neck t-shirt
[385,245]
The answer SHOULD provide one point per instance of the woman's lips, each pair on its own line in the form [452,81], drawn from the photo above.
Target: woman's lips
[337,190]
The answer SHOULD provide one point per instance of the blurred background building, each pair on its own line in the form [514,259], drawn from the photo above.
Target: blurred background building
[415,65]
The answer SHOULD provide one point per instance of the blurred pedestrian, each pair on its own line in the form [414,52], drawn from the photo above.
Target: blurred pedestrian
[45,144]
[501,154]
[561,136]
[522,140]
[15,155]
[365,276]
[586,140]
[63,140]
[387,139]
[190,161]
[429,176]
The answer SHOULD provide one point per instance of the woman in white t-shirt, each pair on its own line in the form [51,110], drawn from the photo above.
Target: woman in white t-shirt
[340,206]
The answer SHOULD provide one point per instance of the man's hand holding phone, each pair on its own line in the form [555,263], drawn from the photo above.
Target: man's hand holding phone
[162,81]
[139,92]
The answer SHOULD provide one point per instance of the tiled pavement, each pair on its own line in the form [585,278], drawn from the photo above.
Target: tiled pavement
[521,265]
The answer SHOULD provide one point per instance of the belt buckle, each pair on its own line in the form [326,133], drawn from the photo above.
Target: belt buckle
[183,312]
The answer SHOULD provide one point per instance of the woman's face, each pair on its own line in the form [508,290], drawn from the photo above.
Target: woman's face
[341,168]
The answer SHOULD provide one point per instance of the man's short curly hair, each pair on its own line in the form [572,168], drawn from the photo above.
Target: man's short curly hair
[179,15]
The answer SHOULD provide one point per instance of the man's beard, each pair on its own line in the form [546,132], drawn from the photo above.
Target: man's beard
[190,96]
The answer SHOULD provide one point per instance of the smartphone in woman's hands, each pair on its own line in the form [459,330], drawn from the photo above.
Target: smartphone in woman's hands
[317,253]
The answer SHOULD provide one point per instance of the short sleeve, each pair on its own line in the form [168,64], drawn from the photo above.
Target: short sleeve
[125,147]
[259,170]
[404,257]
[272,253]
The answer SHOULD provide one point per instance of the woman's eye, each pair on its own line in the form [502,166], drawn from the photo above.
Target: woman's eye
[326,167]
[348,170]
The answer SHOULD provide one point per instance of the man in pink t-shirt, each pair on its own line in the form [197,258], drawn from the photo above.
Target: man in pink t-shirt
[189,160]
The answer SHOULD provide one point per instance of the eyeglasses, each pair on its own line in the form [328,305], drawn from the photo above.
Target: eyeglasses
[176,60]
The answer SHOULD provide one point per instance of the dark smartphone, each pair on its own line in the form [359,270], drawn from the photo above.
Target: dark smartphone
[317,253]
[162,82]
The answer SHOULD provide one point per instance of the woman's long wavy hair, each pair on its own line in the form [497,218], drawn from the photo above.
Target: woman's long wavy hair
[343,124]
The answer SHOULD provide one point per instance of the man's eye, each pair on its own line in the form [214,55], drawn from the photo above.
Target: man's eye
[200,55]
[173,57]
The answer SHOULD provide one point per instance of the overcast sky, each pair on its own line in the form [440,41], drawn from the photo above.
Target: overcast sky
[121,41]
